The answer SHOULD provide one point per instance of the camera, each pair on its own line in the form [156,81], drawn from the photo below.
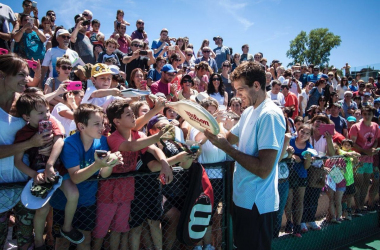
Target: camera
[143,52]
[86,22]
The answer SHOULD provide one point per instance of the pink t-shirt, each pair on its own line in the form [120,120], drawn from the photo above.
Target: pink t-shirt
[120,190]
[366,136]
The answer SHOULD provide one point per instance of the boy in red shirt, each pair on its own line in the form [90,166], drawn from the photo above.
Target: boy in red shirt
[115,196]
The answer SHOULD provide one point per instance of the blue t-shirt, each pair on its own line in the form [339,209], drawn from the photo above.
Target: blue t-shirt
[313,78]
[156,44]
[154,75]
[314,95]
[303,79]
[299,167]
[340,123]
[72,155]
[30,46]
[353,88]
[221,55]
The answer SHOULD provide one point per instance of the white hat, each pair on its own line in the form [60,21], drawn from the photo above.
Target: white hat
[201,96]
[61,32]
[115,69]
[32,202]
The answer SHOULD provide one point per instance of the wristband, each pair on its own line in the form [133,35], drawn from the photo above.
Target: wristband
[171,94]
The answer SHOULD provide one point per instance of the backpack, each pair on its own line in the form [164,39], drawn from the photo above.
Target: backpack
[196,213]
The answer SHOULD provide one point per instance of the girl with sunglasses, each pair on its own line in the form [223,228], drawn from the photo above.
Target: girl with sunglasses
[63,68]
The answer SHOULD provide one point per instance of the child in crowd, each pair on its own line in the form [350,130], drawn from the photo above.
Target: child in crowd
[34,108]
[298,180]
[111,46]
[101,94]
[96,38]
[52,84]
[119,19]
[351,158]
[115,196]
[81,160]
[335,196]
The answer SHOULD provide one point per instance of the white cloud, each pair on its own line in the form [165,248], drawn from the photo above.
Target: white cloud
[235,9]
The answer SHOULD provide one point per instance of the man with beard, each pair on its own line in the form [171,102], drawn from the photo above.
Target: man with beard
[123,40]
[260,136]
[53,17]
[62,36]
[140,32]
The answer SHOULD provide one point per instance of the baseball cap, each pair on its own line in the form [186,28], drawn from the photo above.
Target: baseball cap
[154,120]
[217,37]
[351,119]
[115,69]
[62,32]
[377,100]
[324,76]
[33,202]
[100,69]
[168,68]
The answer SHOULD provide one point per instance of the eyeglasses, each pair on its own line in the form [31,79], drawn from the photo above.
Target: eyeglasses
[137,45]
[64,67]
[140,23]
[206,51]
[85,14]
[226,66]
[186,80]
[51,14]
[215,79]
[65,37]
[189,54]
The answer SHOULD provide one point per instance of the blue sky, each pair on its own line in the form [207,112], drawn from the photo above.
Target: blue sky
[266,25]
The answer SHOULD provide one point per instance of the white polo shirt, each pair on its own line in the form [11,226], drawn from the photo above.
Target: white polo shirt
[258,129]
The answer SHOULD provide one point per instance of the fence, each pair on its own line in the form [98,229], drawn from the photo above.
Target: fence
[302,200]
[366,71]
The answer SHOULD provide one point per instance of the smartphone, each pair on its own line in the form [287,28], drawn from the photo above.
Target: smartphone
[34,4]
[101,153]
[143,52]
[32,64]
[162,179]
[74,85]
[44,126]
[172,47]
[31,21]
[3,51]
[326,127]
[143,84]
[86,22]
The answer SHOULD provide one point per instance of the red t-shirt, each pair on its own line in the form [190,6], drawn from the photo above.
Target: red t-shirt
[36,160]
[160,87]
[365,137]
[120,190]
[292,100]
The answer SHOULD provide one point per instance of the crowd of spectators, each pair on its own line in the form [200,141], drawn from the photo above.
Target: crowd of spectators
[98,117]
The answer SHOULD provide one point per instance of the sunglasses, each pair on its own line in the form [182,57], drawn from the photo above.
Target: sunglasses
[215,79]
[65,37]
[190,47]
[64,67]
[331,75]
[322,81]
[140,23]
[28,5]
[178,60]
[51,14]
[206,51]
[189,54]
[85,14]
[186,80]
[137,45]
[226,66]
[170,74]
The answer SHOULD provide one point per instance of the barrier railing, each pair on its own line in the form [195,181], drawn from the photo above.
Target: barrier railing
[328,208]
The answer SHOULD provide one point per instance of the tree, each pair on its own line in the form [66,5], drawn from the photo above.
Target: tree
[313,48]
